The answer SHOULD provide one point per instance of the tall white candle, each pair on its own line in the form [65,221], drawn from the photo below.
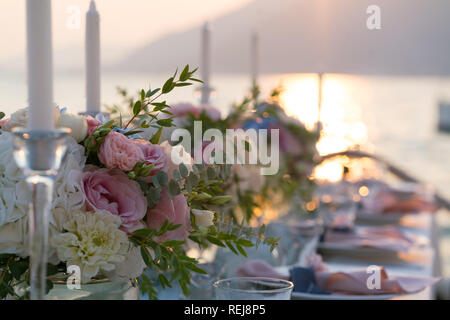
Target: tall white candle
[205,63]
[92,59]
[40,65]
[254,58]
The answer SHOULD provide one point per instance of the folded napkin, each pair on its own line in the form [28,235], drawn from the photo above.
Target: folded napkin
[389,200]
[389,238]
[323,282]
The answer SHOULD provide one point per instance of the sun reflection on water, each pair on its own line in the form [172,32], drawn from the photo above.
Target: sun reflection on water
[340,117]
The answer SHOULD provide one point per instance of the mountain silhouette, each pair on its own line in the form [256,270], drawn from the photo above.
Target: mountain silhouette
[313,36]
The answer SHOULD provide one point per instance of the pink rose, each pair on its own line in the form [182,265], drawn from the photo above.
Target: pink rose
[211,112]
[153,154]
[113,191]
[174,210]
[92,124]
[117,151]
[183,109]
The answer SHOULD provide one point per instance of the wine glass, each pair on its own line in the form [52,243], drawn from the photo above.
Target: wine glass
[253,288]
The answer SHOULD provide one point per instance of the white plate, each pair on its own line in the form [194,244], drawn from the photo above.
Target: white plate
[310,296]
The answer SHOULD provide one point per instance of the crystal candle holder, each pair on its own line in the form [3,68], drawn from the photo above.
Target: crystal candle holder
[39,154]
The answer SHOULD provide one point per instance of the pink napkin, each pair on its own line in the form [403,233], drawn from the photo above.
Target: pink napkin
[258,268]
[389,238]
[389,200]
[354,282]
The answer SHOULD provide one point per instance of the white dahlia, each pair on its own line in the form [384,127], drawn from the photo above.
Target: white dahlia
[93,242]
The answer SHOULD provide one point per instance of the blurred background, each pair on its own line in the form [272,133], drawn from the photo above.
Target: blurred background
[381,88]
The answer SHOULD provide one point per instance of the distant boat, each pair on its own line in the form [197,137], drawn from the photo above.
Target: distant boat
[444,117]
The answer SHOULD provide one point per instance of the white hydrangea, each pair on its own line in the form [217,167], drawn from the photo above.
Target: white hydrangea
[13,237]
[93,241]
[18,119]
[68,194]
[14,195]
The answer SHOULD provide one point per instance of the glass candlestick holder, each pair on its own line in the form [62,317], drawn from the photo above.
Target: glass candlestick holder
[39,154]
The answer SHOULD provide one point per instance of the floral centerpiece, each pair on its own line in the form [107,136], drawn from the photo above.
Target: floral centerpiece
[121,203]
[252,192]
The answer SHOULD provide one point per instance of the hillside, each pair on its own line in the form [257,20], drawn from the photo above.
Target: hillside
[314,35]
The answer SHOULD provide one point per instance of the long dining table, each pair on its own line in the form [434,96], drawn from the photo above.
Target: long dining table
[424,261]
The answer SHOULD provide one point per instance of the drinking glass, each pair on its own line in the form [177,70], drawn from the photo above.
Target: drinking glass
[201,284]
[253,288]
[298,239]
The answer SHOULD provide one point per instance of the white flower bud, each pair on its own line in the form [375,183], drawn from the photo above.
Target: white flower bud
[203,218]
[77,124]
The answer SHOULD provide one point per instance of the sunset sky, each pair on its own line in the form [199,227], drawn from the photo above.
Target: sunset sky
[126,24]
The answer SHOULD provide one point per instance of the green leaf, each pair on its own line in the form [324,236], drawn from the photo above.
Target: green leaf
[137,108]
[130,133]
[175,74]
[219,200]
[18,268]
[184,287]
[211,173]
[168,86]
[195,268]
[159,105]
[146,233]
[215,241]
[146,256]
[172,243]
[152,92]
[156,137]
[196,80]
[173,226]
[162,178]
[2,115]
[183,84]
[245,243]
[167,112]
[241,250]
[142,95]
[192,179]
[229,245]
[174,188]
[176,174]
[165,122]
[154,194]
[185,73]
[183,170]
[164,282]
